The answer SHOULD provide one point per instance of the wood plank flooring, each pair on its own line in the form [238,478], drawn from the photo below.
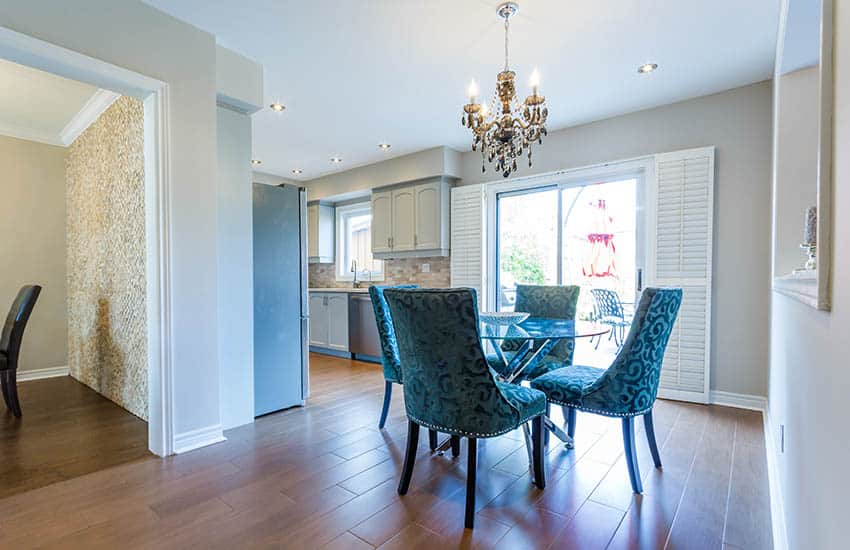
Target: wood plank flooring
[323,476]
[67,430]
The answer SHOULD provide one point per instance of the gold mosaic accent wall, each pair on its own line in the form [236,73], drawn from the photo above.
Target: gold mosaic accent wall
[107,320]
[396,272]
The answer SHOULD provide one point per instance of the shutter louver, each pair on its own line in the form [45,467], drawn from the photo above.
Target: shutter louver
[682,246]
[468,240]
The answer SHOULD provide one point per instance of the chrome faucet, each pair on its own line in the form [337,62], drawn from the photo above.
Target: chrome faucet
[354,270]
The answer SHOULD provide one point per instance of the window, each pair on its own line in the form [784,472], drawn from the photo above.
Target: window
[354,244]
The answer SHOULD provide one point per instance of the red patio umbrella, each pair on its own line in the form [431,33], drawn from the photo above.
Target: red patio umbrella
[600,261]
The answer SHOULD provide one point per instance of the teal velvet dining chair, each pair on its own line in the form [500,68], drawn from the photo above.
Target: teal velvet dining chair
[550,302]
[629,386]
[448,385]
[389,356]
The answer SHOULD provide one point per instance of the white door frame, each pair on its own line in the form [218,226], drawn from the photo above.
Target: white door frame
[642,167]
[26,50]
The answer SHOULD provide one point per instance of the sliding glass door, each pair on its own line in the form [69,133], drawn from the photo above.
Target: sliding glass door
[586,233]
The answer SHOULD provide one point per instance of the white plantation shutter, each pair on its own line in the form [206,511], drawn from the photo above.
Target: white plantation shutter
[468,240]
[681,222]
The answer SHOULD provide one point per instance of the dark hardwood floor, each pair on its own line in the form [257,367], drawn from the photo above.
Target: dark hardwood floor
[67,430]
[324,476]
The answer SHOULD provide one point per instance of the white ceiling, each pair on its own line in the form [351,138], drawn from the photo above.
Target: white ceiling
[36,105]
[354,74]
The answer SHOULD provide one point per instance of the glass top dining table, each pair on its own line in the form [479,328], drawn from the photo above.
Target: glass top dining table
[537,337]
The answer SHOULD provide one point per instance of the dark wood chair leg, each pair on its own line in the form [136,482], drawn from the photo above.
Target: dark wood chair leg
[631,454]
[570,413]
[12,379]
[432,439]
[409,456]
[4,382]
[537,450]
[650,437]
[388,393]
[471,465]
[455,439]
[546,432]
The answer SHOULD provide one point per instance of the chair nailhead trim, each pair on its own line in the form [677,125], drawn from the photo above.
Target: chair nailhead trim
[444,429]
[597,411]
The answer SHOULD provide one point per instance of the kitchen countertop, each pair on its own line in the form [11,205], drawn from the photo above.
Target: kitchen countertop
[347,290]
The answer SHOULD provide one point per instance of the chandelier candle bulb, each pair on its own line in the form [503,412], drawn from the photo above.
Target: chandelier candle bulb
[473,92]
[535,82]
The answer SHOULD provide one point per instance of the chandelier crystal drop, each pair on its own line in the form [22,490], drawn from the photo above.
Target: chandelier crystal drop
[506,129]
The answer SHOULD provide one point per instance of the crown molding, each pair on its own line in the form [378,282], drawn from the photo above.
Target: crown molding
[21,132]
[94,107]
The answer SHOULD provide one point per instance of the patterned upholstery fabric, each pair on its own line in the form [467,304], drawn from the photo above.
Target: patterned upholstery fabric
[389,347]
[629,386]
[448,385]
[550,302]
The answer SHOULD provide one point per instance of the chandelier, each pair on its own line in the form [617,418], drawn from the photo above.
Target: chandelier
[507,128]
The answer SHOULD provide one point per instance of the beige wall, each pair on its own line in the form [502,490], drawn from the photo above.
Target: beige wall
[810,354]
[107,311]
[32,245]
[738,123]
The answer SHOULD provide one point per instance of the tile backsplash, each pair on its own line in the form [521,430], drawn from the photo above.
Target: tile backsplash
[396,272]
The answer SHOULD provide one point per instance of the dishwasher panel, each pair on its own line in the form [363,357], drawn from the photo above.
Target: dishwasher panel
[362,330]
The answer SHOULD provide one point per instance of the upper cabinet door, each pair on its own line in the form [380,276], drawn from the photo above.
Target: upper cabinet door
[428,215]
[404,219]
[382,221]
[313,230]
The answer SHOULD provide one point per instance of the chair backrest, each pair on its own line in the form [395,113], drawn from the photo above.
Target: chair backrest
[551,302]
[386,334]
[630,384]
[16,322]
[448,385]
[607,303]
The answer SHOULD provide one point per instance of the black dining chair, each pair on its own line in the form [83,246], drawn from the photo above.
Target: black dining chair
[10,344]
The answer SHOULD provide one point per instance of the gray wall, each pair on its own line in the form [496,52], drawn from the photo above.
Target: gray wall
[32,245]
[809,358]
[738,123]
[235,269]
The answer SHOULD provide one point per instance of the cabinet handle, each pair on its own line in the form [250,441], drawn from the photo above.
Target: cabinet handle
[392,241]
[388,242]
[415,240]
[325,302]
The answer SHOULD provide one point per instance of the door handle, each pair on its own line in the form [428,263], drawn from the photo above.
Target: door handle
[639,277]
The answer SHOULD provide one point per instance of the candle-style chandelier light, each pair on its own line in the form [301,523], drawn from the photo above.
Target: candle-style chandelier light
[507,128]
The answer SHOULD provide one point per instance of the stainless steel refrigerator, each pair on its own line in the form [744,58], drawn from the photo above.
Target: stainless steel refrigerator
[280,298]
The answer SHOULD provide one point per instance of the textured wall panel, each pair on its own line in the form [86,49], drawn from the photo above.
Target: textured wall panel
[107,321]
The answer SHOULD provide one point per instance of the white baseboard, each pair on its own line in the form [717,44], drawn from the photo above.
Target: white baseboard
[189,441]
[738,400]
[38,374]
[777,506]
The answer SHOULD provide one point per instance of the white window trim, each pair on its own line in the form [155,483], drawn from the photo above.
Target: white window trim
[341,270]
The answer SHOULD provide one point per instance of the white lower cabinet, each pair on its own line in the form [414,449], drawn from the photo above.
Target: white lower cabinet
[329,320]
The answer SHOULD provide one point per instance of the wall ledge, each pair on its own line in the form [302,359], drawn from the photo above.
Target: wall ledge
[800,285]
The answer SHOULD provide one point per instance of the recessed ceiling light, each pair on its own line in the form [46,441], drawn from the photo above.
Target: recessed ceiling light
[384,146]
[336,160]
[277,107]
[647,68]
[297,171]
[256,162]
